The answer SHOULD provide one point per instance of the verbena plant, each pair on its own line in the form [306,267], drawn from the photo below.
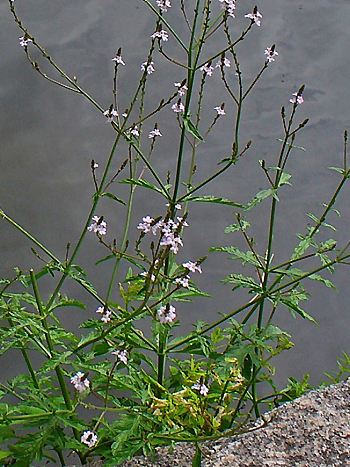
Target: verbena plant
[125,385]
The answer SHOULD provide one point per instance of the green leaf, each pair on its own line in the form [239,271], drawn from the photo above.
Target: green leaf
[337,169]
[185,295]
[236,253]
[191,128]
[292,145]
[197,458]
[292,305]
[143,183]
[215,200]
[259,197]
[284,179]
[71,302]
[4,454]
[115,198]
[242,227]
[106,258]
[241,281]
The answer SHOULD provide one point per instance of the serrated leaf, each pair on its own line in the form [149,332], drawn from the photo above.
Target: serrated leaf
[71,302]
[259,197]
[293,306]
[191,128]
[236,253]
[143,183]
[243,227]
[241,281]
[114,197]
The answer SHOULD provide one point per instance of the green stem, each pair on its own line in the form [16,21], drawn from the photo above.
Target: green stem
[49,340]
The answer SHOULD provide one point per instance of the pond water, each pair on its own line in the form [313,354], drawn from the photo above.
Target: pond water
[49,136]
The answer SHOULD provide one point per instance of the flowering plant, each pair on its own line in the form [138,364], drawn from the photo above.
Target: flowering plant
[128,383]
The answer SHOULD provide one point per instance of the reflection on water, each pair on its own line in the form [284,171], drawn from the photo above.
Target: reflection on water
[48,138]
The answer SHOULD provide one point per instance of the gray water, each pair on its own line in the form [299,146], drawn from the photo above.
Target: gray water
[49,136]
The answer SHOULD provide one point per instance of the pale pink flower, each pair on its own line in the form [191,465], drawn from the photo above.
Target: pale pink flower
[80,382]
[98,226]
[118,60]
[193,267]
[255,17]
[166,314]
[110,114]
[220,109]
[89,438]
[163,5]
[24,41]
[178,107]
[162,35]
[173,240]
[296,99]
[229,6]
[149,67]
[182,88]
[121,355]
[154,133]
[270,53]
[135,131]
[184,281]
[207,69]
[225,62]
[201,387]
[105,314]
[145,226]
[177,206]
[145,274]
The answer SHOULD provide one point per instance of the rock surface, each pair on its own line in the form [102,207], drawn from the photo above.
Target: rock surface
[312,431]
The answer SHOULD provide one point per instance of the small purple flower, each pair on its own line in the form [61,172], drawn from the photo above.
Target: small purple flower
[162,35]
[193,267]
[296,99]
[255,16]
[148,67]
[121,355]
[207,69]
[166,314]
[80,382]
[182,88]
[135,131]
[24,41]
[224,62]
[118,59]
[154,133]
[105,314]
[270,53]
[145,226]
[220,109]
[163,5]
[201,387]
[110,114]
[184,281]
[98,226]
[178,107]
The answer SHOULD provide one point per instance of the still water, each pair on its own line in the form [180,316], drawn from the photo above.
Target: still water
[48,138]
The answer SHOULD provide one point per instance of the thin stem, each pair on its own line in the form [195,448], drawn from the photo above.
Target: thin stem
[49,341]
